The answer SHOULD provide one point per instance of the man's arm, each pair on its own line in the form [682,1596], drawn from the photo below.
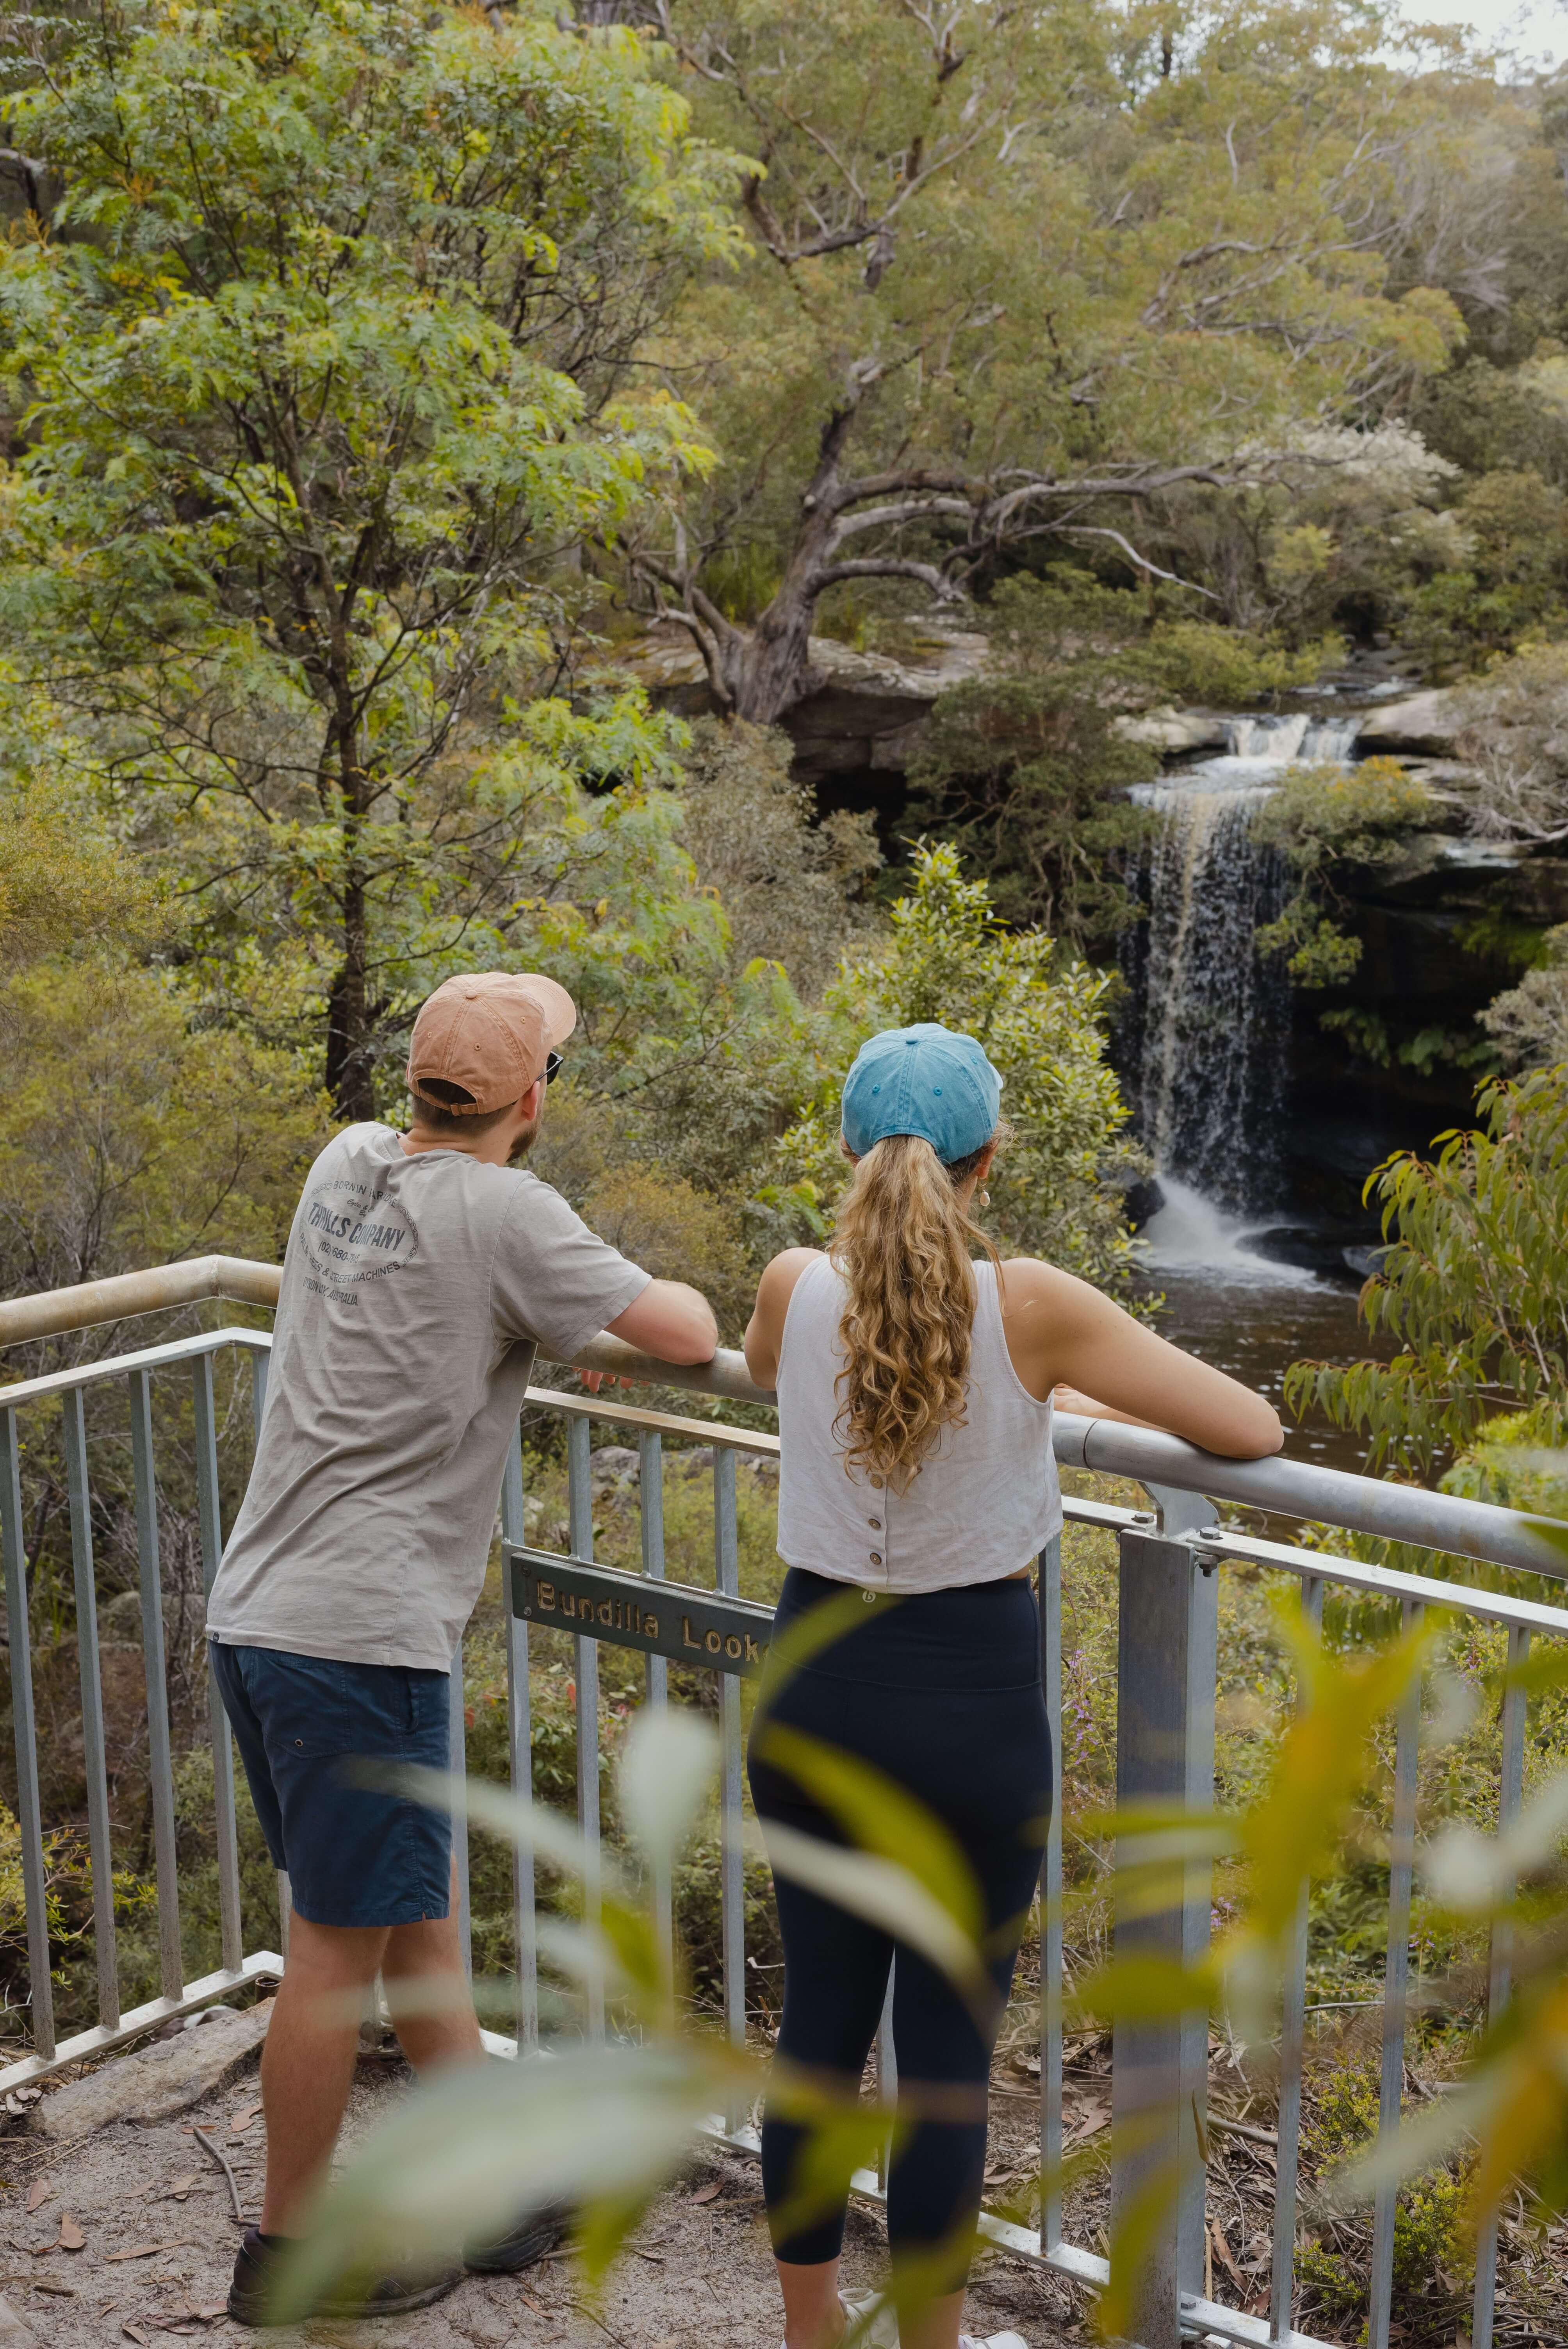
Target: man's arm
[670,1321]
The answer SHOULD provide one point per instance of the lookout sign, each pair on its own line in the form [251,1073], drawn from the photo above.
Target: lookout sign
[633,1610]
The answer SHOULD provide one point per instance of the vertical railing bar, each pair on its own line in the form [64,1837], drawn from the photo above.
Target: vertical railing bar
[1051,1597]
[94,1755]
[160,1758]
[520,1754]
[261,1363]
[1500,1970]
[732,1883]
[579,1517]
[1292,2030]
[24,1725]
[457,1744]
[651,1508]
[210,1514]
[1395,1984]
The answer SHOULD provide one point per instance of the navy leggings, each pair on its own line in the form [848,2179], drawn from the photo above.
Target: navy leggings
[940,1691]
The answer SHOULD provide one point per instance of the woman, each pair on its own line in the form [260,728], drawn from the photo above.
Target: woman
[914,1407]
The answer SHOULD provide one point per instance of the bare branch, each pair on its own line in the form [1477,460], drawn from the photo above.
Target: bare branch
[1092,530]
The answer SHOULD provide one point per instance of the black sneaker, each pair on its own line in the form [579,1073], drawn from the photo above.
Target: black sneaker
[529,2241]
[251,2295]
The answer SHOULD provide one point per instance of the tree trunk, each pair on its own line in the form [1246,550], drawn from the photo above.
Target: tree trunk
[768,668]
[349,1070]
[348,1073]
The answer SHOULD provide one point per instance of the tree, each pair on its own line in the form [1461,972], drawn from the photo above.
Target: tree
[298,452]
[1529,1023]
[1015,273]
[1473,1288]
[1055,1190]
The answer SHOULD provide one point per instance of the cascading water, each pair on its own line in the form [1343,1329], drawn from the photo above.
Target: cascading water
[1204,1045]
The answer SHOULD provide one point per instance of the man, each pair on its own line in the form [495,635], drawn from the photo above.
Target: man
[422,1272]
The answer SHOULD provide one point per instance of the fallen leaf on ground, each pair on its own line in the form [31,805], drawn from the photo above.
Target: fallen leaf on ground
[60,2291]
[537,2306]
[133,2332]
[1086,2122]
[218,2308]
[42,2190]
[147,2251]
[71,2236]
[710,2192]
[1223,2254]
[657,2257]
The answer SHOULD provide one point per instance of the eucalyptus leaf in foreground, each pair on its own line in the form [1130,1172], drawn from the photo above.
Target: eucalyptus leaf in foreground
[476,2149]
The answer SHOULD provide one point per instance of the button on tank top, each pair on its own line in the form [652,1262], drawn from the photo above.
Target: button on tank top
[985,1500]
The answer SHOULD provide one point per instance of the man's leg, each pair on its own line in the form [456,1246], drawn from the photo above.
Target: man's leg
[307,2062]
[435,2020]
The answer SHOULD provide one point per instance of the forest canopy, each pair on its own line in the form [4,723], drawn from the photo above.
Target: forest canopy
[372,375]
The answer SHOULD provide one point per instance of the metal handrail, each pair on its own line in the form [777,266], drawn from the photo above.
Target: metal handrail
[1295,1488]
[1166,1677]
[158,1289]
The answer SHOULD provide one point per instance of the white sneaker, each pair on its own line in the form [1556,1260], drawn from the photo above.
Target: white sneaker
[881,2333]
[993,2341]
[882,2330]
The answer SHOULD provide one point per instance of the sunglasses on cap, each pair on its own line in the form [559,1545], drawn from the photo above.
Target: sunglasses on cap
[553,1067]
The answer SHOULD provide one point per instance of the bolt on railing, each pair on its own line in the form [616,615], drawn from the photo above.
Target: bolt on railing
[1169,1559]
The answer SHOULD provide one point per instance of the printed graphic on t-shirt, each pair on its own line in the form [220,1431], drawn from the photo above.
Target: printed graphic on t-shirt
[353,1231]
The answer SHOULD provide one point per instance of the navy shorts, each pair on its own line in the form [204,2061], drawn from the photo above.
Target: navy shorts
[354,1856]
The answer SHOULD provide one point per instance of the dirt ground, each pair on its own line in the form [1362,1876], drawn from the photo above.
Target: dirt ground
[699,2273]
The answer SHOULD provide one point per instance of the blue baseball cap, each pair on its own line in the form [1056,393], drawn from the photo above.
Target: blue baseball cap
[927,1080]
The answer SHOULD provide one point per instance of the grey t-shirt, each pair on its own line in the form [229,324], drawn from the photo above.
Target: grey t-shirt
[414,1291]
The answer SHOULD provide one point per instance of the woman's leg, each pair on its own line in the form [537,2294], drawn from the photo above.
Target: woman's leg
[835,1979]
[935,2183]
[937,2177]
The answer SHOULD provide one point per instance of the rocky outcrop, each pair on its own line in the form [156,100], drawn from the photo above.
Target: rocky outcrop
[1466,876]
[867,712]
[1173,730]
[1426,723]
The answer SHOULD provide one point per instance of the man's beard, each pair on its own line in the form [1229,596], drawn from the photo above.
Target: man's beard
[523,1145]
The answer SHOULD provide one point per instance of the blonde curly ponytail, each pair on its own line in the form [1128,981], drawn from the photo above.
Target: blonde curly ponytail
[902,1244]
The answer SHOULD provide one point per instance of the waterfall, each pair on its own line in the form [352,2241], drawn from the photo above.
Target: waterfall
[1204,1043]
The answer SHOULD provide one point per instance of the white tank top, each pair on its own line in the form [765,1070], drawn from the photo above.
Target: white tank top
[985,1500]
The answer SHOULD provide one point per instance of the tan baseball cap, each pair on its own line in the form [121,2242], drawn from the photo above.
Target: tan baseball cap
[489,1031]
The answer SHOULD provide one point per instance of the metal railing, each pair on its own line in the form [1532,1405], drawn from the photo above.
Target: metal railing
[1170,1563]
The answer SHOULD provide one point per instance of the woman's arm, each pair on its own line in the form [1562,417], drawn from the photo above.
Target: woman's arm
[1063,1334]
[765,1330]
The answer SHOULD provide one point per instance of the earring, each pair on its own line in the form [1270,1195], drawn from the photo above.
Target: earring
[984,1198]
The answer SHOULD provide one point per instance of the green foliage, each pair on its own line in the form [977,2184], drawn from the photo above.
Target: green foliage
[1317,952]
[294,453]
[1510,582]
[892,401]
[1322,820]
[1321,817]
[1473,1288]
[134,1137]
[947,957]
